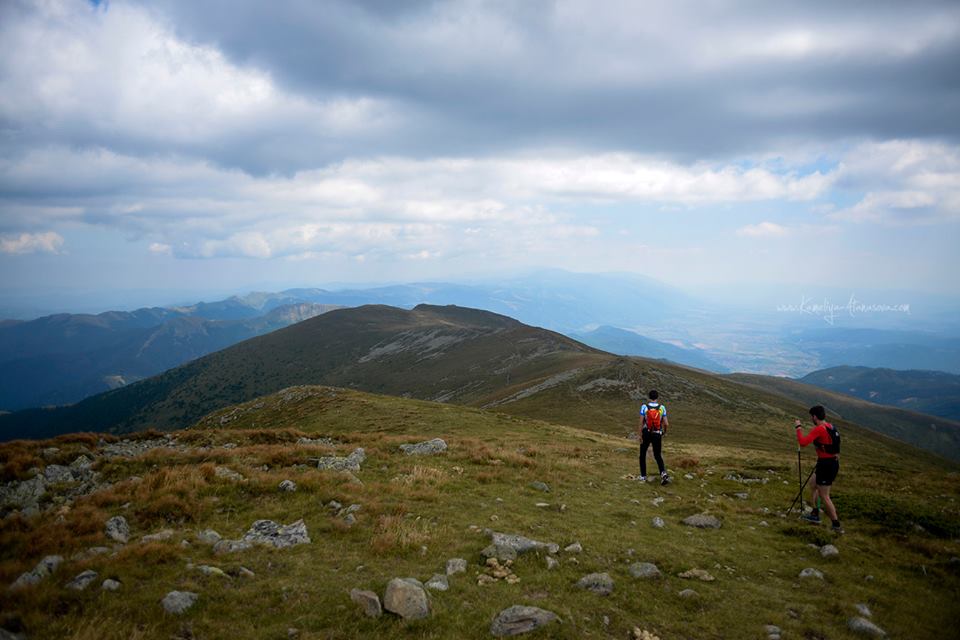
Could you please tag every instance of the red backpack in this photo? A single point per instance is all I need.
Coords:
(653, 418)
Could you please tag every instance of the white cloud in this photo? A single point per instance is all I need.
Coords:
(763, 230)
(49, 242)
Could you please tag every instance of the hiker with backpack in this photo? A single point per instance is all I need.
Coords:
(826, 439)
(652, 428)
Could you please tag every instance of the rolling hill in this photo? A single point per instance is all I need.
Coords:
(461, 356)
(631, 343)
(933, 392)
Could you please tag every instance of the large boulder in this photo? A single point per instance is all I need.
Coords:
(427, 448)
(272, 534)
(407, 599)
(518, 619)
(23, 495)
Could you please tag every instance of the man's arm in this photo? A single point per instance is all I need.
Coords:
(804, 440)
(664, 423)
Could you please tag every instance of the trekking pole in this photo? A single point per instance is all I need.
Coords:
(800, 493)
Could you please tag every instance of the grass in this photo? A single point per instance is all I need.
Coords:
(419, 511)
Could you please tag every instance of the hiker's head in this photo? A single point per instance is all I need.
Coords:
(653, 395)
(818, 413)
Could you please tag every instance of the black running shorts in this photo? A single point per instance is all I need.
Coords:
(827, 469)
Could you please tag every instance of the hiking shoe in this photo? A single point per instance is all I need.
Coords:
(837, 529)
(643, 478)
(664, 479)
(810, 518)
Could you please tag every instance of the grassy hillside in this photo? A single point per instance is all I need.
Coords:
(933, 392)
(898, 555)
(928, 432)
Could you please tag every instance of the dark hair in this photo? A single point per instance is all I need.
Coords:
(653, 395)
(818, 412)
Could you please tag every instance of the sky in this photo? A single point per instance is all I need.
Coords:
(234, 145)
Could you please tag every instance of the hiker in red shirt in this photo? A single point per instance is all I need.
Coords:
(826, 439)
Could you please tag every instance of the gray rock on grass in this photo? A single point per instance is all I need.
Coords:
(44, 568)
(82, 580)
(438, 582)
(406, 598)
(658, 522)
(552, 563)
(865, 627)
(350, 463)
(810, 572)
(209, 536)
(111, 585)
(426, 448)
(689, 594)
(178, 602)
(288, 485)
(456, 565)
(519, 619)
(829, 551)
(273, 534)
(57, 474)
(118, 530)
(501, 552)
(539, 486)
(599, 583)
(368, 601)
(645, 571)
(863, 610)
(159, 536)
(576, 547)
(521, 544)
(702, 521)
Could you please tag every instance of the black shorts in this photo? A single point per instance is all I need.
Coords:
(827, 469)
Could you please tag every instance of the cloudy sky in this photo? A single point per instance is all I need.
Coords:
(228, 144)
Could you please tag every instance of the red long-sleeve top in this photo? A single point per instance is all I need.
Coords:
(819, 436)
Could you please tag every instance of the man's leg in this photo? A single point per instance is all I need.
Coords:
(657, 446)
(828, 503)
(813, 516)
(643, 455)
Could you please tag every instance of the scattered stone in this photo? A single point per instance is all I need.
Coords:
(23, 495)
(270, 533)
(521, 544)
(82, 580)
(350, 463)
(321, 442)
(599, 583)
(92, 552)
(456, 565)
(697, 574)
(865, 627)
(552, 563)
(501, 552)
(406, 599)
(658, 522)
(209, 536)
(334, 506)
(863, 610)
(772, 630)
(81, 462)
(207, 570)
(764, 523)
(659, 500)
(177, 602)
(110, 585)
(243, 572)
(438, 582)
(829, 551)
(810, 572)
(689, 594)
(539, 486)
(576, 547)
(350, 519)
(118, 529)
(645, 570)
(228, 474)
(231, 546)
(49, 452)
(427, 448)
(741, 495)
(702, 521)
(288, 485)
(159, 536)
(44, 568)
(503, 571)
(688, 476)
(519, 619)
(57, 474)
(349, 478)
(368, 601)
(642, 634)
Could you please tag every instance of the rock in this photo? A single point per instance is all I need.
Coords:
(702, 521)
(81, 462)
(368, 601)
(644, 570)
(829, 551)
(863, 610)
(207, 570)
(539, 486)
(288, 485)
(438, 582)
(92, 552)
(110, 585)
(810, 572)
(118, 529)
(658, 523)
(350, 519)
(519, 619)
(272, 534)
(243, 572)
(23, 495)
(82, 580)
(166, 534)
(456, 565)
(501, 552)
(349, 510)
(697, 574)
(865, 627)
(427, 448)
(576, 547)
(552, 563)
(772, 630)
(742, 496)
(56, 474)
(689, 594)
(177, 602)
(350, 463)
(599, 583)
(228, 474)
(231, 546)
(521, 544)
(209, 536)
(406, 599)
(688, 476)
(44, 568)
